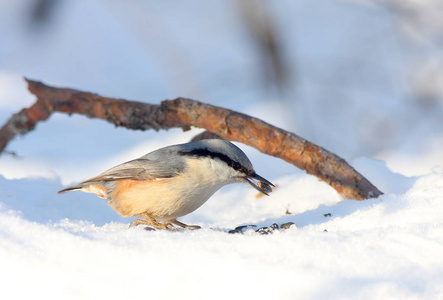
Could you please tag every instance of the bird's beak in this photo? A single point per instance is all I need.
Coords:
(263, 185)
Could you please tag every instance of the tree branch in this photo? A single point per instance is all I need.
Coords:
(184, 113)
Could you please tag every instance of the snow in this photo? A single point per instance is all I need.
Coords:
(391, 246)
(351, 94)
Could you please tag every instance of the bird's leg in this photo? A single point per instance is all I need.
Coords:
(150, 221)
(190, 227)
(137, 222)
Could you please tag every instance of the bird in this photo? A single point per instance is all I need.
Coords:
(172, 182)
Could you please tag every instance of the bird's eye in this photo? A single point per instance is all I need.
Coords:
(236, 166)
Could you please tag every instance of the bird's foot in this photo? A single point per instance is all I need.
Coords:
(151, 222)
(190, 227)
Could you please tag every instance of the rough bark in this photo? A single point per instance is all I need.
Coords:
(184, 113)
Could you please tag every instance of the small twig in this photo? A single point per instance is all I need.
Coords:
(184, 113)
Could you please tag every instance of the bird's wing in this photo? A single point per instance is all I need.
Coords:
(139, 169)
(152, 166)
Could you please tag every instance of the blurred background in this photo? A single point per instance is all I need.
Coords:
(359, 78)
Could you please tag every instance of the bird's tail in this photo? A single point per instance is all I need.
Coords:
(71, 188)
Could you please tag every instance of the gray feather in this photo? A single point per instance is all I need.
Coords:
(157, 164)
(144, 168)
(162, 163)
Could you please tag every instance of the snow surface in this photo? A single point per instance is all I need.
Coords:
(350, 94)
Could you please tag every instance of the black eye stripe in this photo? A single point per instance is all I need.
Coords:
(206, 153)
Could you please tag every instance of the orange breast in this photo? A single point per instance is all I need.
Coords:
(132, 197)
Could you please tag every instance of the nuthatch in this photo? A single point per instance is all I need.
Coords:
(171, 182)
